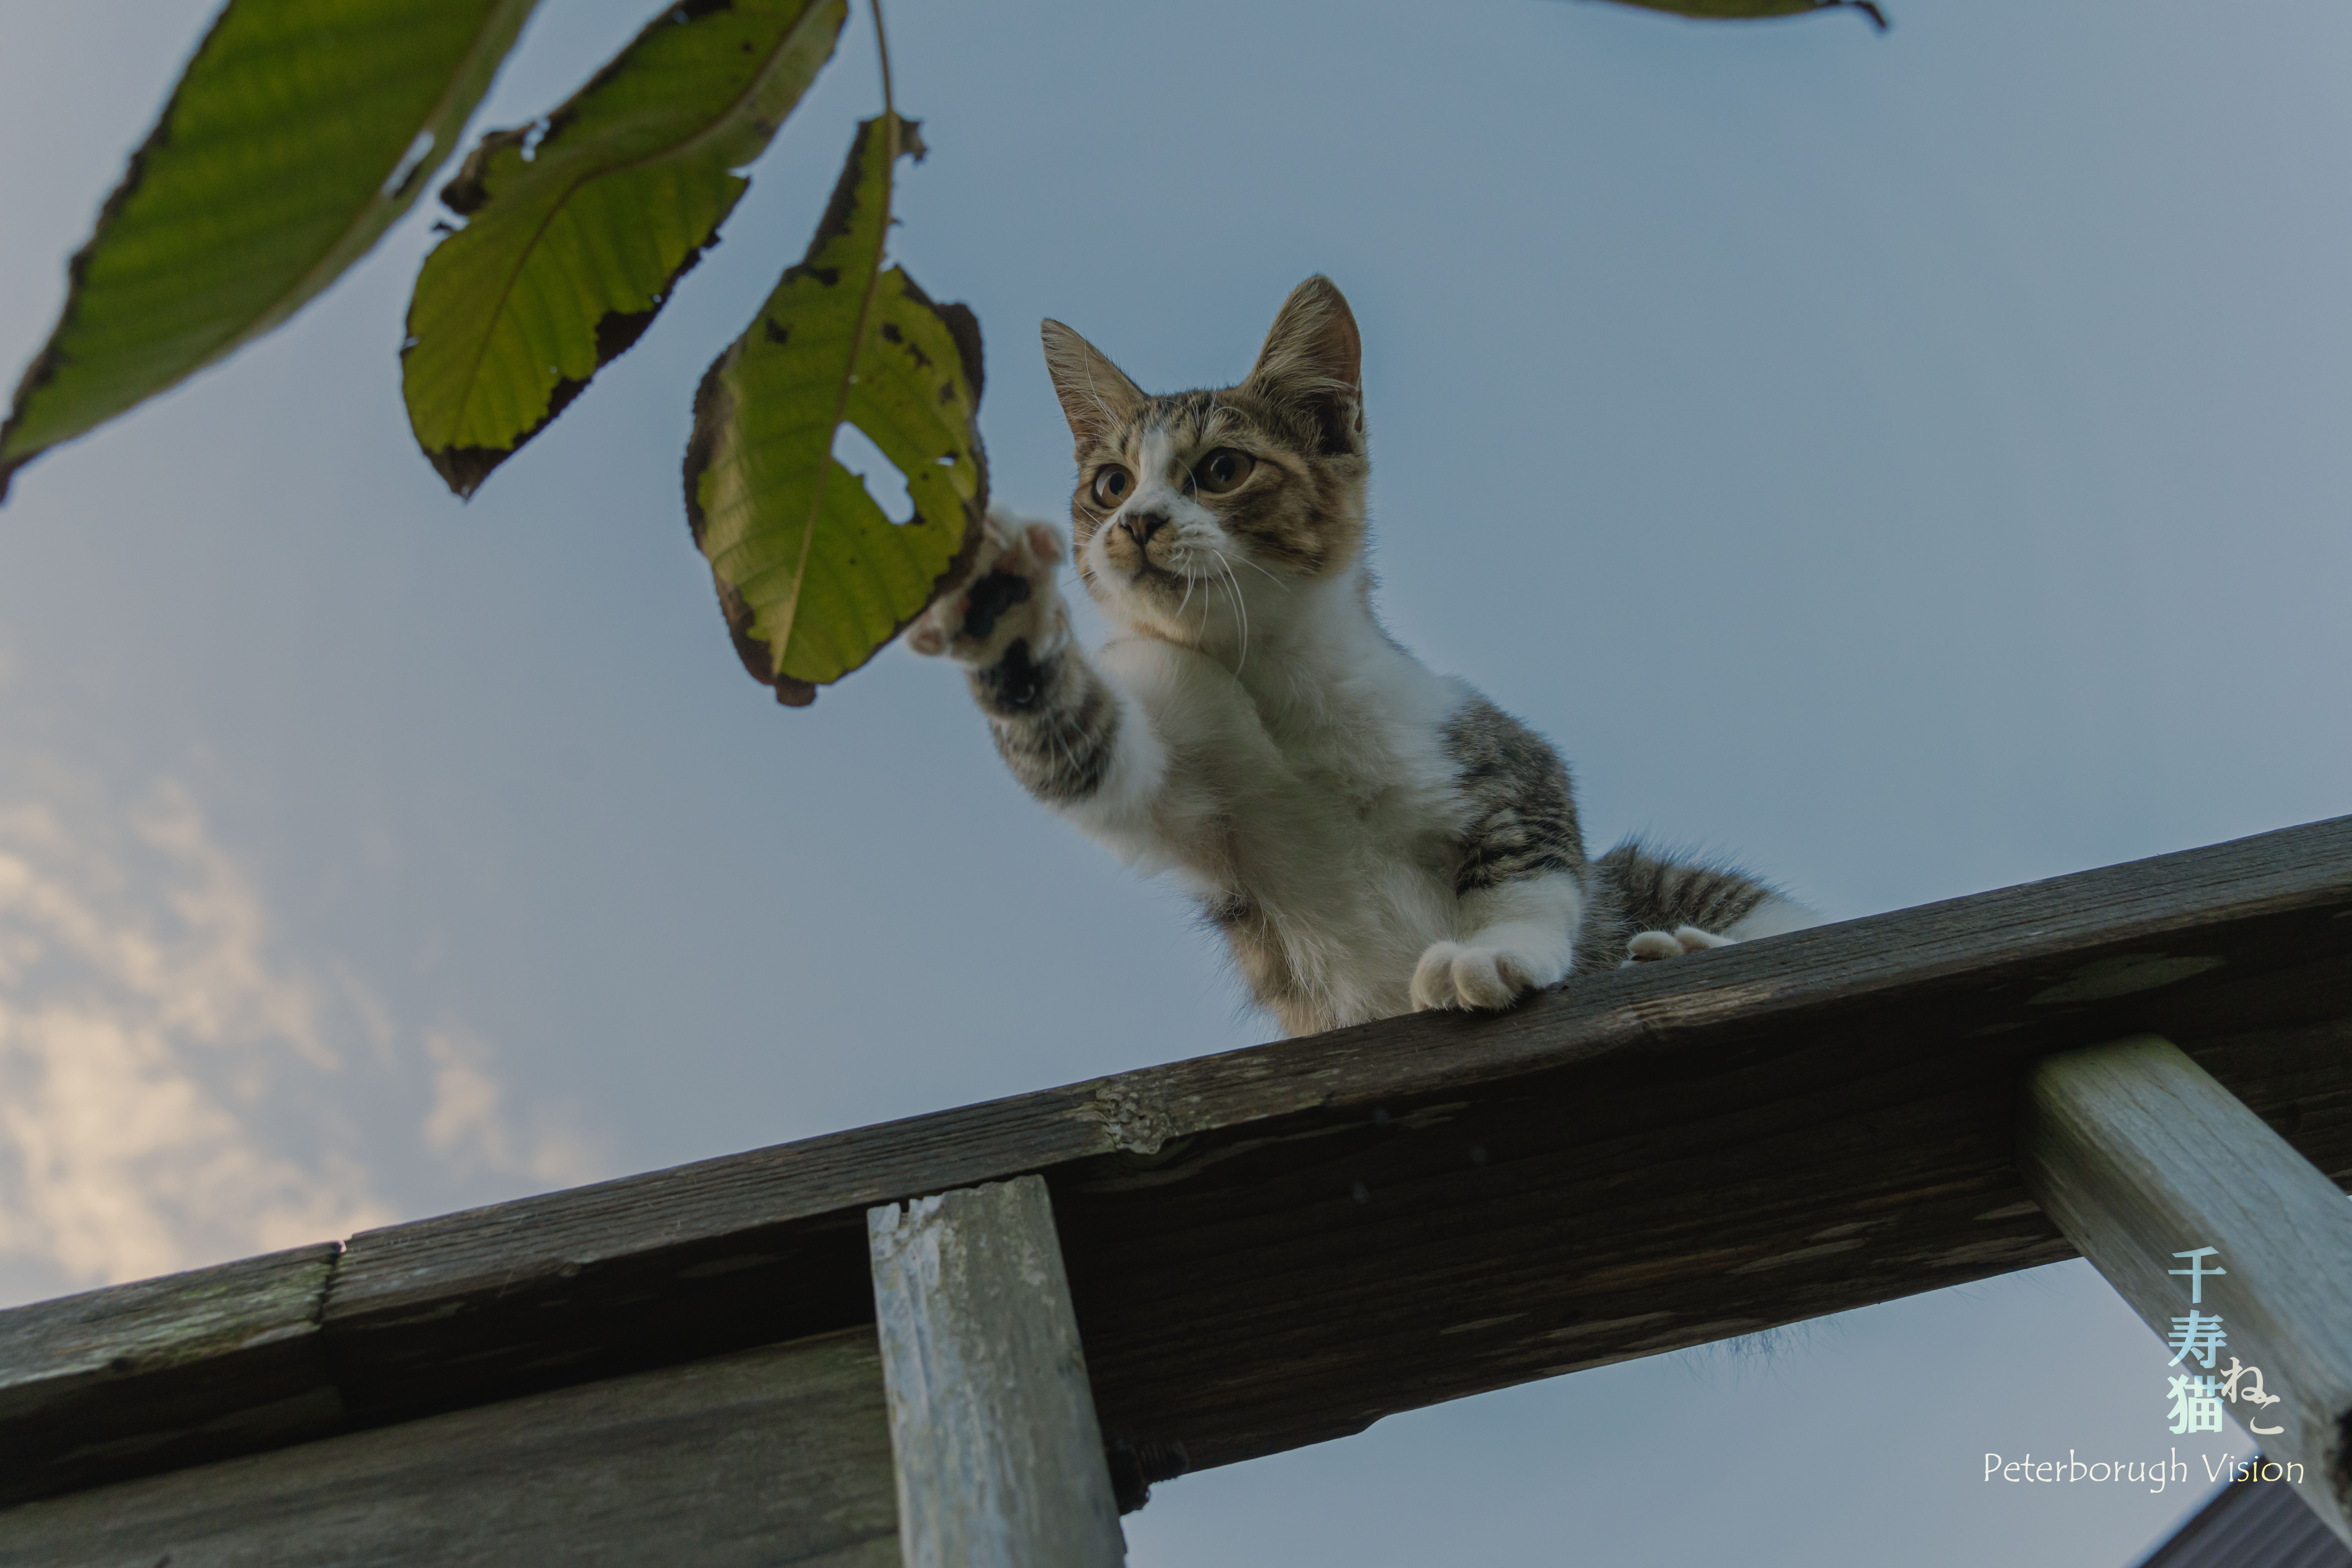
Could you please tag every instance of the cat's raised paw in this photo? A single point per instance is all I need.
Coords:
(1476, 978)
(1649, 946)
(1009, 593)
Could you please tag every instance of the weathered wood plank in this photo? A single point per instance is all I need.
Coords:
(999, 1461)
(2141, 1157)
(2251, 1524)
(690, 1260)
(766, 1456)
(1469, 1243)
(152, 1374)
(1272, 1246)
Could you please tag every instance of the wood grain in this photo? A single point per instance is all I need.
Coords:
(2139, 1156)
(157, 1373)
(2251, 1524)
(1273, 1245)
(767, 1456)
(999, 1461)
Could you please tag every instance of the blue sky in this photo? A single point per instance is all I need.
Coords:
(1913, 463)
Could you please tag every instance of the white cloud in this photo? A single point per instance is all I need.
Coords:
(173, 1088)
(465, 1120)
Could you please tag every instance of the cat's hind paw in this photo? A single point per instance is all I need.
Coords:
(1649, 946)
(1474, 978)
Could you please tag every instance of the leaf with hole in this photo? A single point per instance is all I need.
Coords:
(300, 131)
(577, 227)
(813, 576)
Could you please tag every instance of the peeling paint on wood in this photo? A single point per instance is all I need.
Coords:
(1000, 1462)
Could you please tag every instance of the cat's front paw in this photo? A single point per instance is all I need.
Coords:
(1479, 978)
(1010, 596)
(1649, 946)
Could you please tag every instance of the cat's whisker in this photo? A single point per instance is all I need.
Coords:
(1259, 570)
(1241, 611)
(1210, 580)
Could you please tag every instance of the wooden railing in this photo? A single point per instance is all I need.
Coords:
(1272, 1246)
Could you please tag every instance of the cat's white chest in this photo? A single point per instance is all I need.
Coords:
(1319, 805)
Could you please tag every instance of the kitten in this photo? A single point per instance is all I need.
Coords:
(1370, 837)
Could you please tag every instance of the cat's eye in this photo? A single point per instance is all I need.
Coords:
(1222, 470)
(1111, 485)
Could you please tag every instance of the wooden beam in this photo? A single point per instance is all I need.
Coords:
(1275, 1246)
(770, 1456)
(999, 1461)
(2251, 1524)
(165, 1372)
(2147, 1162)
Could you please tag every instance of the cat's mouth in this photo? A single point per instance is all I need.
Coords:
(1161, 574)
(1135, 564)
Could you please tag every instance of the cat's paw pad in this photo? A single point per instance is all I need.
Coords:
(1453, 975)
(1649, 946)
(1009, 593)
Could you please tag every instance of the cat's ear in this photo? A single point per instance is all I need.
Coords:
(1097, 397)
(1314, 356)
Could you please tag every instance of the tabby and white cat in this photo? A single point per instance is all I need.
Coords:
(1368, 835)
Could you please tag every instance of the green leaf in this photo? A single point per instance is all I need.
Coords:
(573, 245)
(1754, 10)
(813, 576)
(300, 131)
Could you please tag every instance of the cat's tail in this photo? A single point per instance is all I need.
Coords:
(1692, 900)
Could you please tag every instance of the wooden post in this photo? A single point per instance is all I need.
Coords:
(999, 1456)
(2140, 1157)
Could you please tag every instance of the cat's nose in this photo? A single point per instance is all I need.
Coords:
(1142, 525)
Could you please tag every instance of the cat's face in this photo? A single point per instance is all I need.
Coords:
(1187, 506)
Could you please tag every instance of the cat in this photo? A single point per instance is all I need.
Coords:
(1370, 837)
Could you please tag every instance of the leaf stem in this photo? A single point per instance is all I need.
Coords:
(882, 47)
